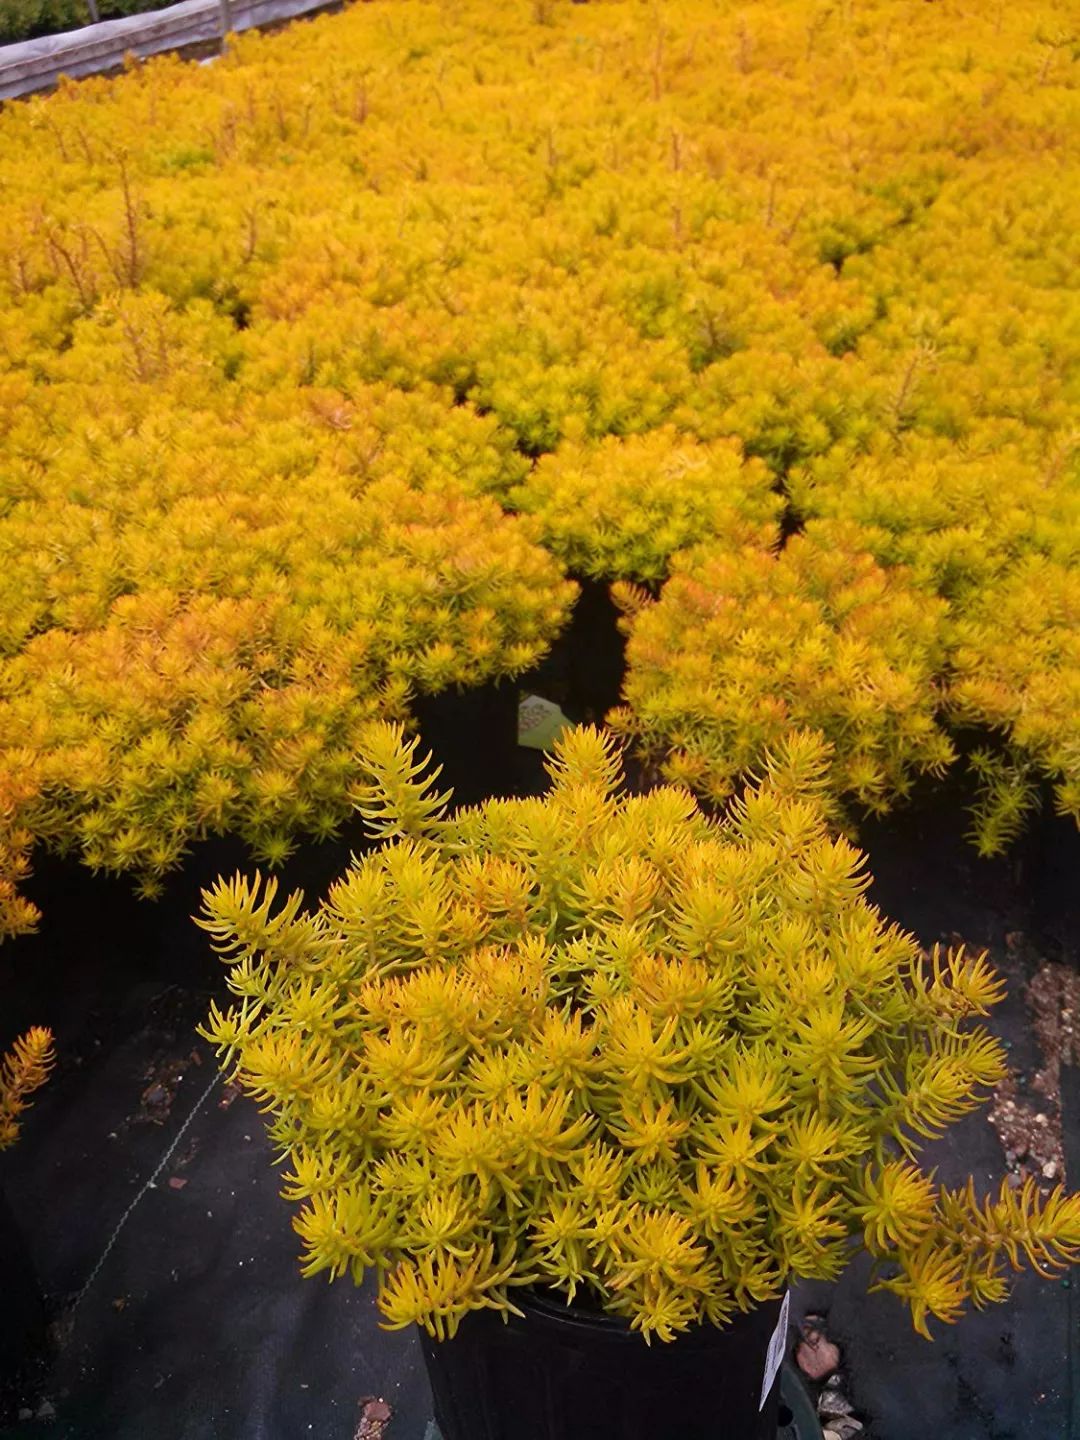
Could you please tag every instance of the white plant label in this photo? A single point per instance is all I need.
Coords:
(775, 1354)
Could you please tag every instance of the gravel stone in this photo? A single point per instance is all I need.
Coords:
(816, 1356)
(844, 1427)
(832, 1404)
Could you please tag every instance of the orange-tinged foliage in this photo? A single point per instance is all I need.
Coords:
(24, 1069)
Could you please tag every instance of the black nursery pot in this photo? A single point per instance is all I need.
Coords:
(566, 1374)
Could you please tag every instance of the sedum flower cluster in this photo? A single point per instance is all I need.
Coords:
(604, 1044)
(321, 366)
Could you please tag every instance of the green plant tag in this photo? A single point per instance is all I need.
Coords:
(540, 722)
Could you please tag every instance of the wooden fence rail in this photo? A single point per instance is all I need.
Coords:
(38, 64)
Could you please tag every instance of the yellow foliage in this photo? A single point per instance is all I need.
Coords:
(24, 1069)
(596, 1065)
(620, 508)
(745, 645)
(259, 635)
(286, 341)
(1017, 663)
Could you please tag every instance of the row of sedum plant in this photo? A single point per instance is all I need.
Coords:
(934, 596)
(234, 707)
(606, 1045)
(320, 368)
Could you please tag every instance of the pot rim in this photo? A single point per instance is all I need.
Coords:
(552, 1306)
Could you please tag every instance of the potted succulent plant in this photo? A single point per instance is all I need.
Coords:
(618, 1071)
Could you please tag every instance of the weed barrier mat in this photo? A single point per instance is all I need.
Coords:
(195, 1324)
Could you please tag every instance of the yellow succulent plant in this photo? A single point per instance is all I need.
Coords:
(604, 1044)
(744, 645)
(1017, 673)
(620, 508)
(236, 708)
